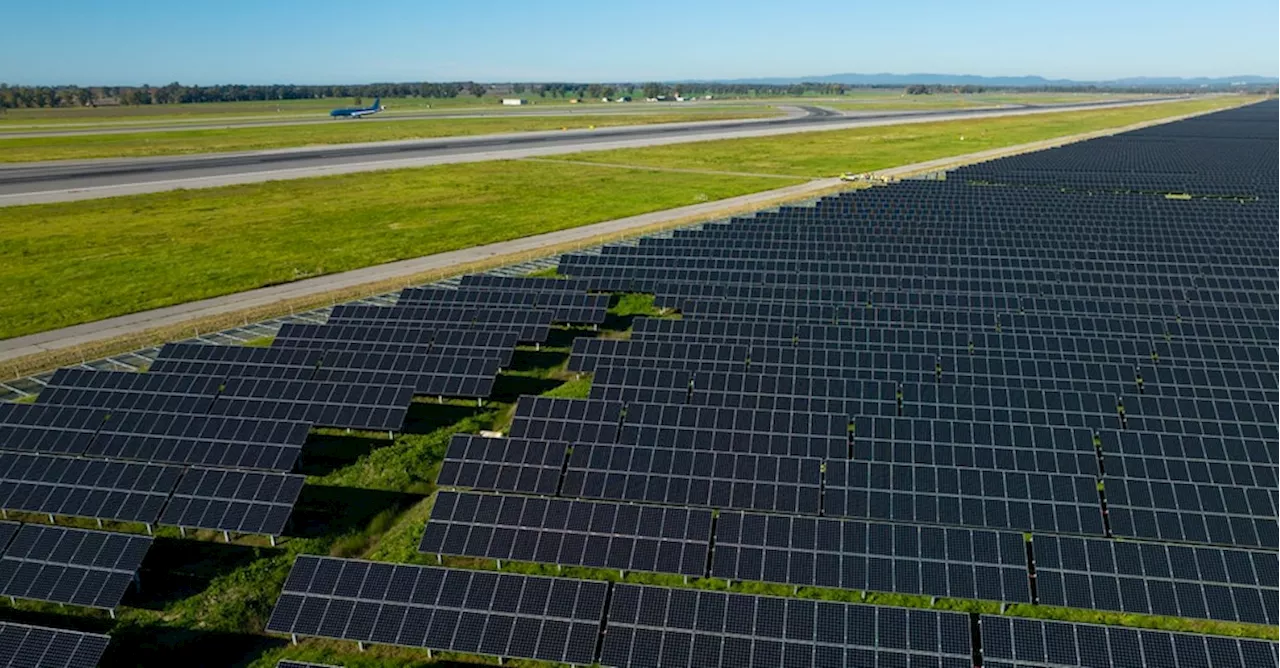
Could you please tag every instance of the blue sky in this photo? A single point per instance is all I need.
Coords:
(324, 41)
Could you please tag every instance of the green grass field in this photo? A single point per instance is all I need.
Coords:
(250, 138)
(219, 111)
(82, 261)
(897, 100)
(824, 154)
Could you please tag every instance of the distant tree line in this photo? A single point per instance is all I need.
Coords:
(12, 97)
(175, 93)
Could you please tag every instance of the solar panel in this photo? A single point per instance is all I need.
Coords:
(570, 533)
(740, 430)
(340, 405)
(49, 429)
(44, 647)
(286, 663)
(532, 325)
(505, 464)
(126, 390)
(567, 306)
(1033, 642)
(871, 556)
(650, 626)
(240, 501)
(215, 440)
(498, 614)
(74, 487)
(994, 499)
(366, 338)
(428, 373)
(456, 340)
(240, 361)
(1150, 578)
(556, 419)
(7, 531)
(529, 283)
(72, 566)
(1189, 512)
(694, 478)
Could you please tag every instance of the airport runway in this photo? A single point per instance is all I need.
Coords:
(294, 118)
(58, 181)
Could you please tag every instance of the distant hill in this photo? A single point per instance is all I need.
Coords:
(853, 79)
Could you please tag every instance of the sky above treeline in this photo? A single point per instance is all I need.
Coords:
(130, 42)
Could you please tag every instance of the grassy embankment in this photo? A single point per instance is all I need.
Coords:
(256, 138)
(77, 262)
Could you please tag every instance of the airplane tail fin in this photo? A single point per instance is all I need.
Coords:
(377, 103)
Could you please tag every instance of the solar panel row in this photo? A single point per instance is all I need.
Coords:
(560, 619)
(569, 307)
(573, 533)
(498, 614)
(90, 426)
(72, 566)
(228, 500)
(22, 645)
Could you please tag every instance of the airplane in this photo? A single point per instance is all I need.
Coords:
(357, 112)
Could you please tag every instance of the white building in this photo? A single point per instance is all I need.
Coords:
(513, 102)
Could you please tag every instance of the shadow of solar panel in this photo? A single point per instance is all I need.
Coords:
(503, 464)
(93, 488)
(239, 501)
(44, 647)
(571, 533)
(1150, 578)
(499, 614)
(201, 439)
(72, 566)
(48, 429)
(1032, 642)
(350, 406)
(650, 626)
(127, 390)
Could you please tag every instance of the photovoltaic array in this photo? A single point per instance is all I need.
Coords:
(208, 436)
(1046, 380)
(42, 647)
(71, 566)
